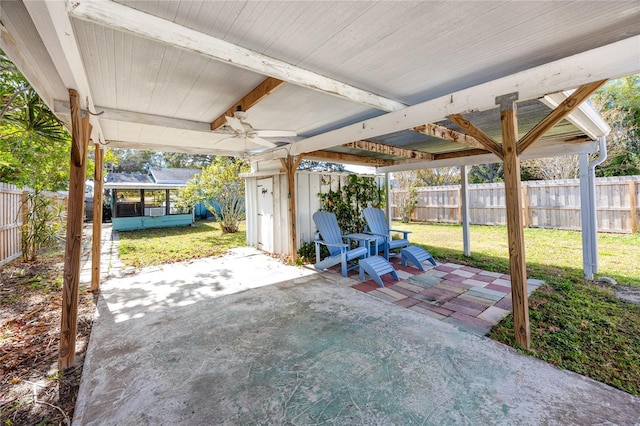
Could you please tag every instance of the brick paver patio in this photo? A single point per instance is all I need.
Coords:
(468, 297)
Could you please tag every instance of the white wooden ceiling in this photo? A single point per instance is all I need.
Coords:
(408, 52)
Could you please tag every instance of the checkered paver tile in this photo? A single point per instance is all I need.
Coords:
(468, 297)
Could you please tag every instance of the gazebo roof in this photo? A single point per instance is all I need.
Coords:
(346, 77)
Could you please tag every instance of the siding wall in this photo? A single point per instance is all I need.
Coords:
(308, 185)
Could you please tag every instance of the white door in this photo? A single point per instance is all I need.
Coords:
(265, 214)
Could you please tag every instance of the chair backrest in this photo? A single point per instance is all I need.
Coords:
(327, 225)
(376, 222)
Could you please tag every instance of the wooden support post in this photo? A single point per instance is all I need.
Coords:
(96, 248)
(80, 131)
(515, 231)
(290, 165)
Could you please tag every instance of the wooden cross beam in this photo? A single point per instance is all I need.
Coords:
(558, 114)
(262, 90)
(346, 158)
(447, 134)
(389, 150)
(485, 140)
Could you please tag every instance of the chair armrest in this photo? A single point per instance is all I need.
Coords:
(377, 235)
(404, 232)
(330, 244)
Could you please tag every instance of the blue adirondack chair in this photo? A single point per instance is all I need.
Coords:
(377, 225)
(332, 238)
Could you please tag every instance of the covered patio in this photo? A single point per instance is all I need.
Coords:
(215, 342)
(397, 85)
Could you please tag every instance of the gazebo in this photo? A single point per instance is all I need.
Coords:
(397, 85)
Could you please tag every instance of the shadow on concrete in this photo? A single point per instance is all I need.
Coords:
(245, 341)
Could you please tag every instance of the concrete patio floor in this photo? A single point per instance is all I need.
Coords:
(244, 339)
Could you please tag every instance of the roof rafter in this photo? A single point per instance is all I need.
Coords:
(261, 91)
(346, 158)
(389, 150)
(457, 154)
(446, 133)
(123, 18)
(485, 140)
(62, 107)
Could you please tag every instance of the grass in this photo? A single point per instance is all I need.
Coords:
(575, 324)
(149, 247)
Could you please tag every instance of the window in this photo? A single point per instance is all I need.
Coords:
(140, 202)
(128, 202)
(155, 203)
(173, 208)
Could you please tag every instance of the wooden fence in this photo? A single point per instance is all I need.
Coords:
(546, 204)
(12, 216)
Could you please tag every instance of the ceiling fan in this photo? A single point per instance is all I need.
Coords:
(243, 133)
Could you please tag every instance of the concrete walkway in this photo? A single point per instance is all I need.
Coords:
(244, 339)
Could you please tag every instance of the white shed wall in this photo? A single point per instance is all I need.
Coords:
(308, 185)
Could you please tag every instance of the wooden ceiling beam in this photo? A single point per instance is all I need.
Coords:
(459, 154)
(485, 140)
(262, 90)
(340, 157)
(562, 111)
(395, 151)
(61, 108)
(119, 17)
(447, 134)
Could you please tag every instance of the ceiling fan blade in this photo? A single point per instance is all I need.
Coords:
(275, 133)
(263, 142)
(236, 125)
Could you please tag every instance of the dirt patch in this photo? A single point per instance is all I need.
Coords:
(32, 390)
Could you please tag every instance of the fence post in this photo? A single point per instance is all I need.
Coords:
(24, 216)
(633, 206)
(525, 205)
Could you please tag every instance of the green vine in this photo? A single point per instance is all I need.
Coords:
(347, 202)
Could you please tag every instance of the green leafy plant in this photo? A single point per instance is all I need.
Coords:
(219, 183)
(43, 225)
(347, 202)
(307, 253)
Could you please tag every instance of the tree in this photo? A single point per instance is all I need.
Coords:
(34, 145)
(320, 166)
(439, 176)
(219, 183)
(619, 104)
(185, 161)
(406, 198)
(132, 160)
(551, 168)
(486, 173)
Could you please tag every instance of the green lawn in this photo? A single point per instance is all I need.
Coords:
(547, 251)
(575, 324)
(148, 247)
